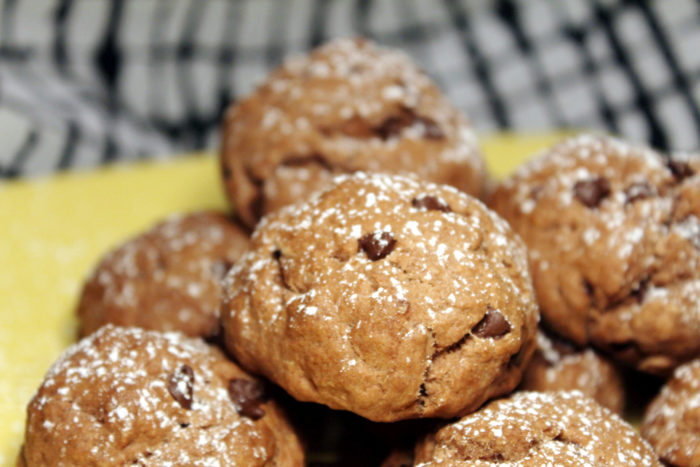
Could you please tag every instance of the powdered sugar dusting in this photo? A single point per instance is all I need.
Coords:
(672, 419)
(621, 217)
(170, 273)
(363, 252)
(363, 107)
(531, 428)
(109, 390)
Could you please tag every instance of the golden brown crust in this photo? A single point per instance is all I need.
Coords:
(672, 421)
(126, 396)
(167, 279)
(387, 296)
(614, 242)
(350, 105)
(532, 429)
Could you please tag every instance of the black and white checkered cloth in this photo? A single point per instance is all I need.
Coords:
(85, 82)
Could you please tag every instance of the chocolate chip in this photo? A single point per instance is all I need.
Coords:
(679, 169)
(181, 386)
(377, 244)
(247, 396)
(431, 130)
(431, 203)
(639, 190)
(277, 254)
(493, 324)
(592, 192)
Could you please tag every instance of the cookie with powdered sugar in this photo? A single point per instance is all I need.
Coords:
(167, 279)
(127, 396)
(614, 241)
(557, 365)
(348, 106)
(672, 421)
(534, 429)
(387, 296)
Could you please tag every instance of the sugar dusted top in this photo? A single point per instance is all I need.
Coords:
(535, 429)
(349, 105)
(613, 233)
(672, 421)
(125, 395)
(385, 281)
(167, 278)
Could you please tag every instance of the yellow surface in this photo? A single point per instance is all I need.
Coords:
(52, 231)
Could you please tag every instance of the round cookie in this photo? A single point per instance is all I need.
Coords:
(672, 421)
(167, 279)
(559, 366)
(348, 106)
(386, 296)
(614, 243)
(127, 396)
(532, 429)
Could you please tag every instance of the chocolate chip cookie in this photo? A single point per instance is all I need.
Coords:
(672, 421)
(168, 278)
(557, 365)
(614, 241)
(384, 295)
(127, 396)
(534, 429)
(348, 106)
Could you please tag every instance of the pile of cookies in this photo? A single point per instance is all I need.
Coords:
(376, 281)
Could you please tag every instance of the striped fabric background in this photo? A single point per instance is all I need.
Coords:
(85, 82)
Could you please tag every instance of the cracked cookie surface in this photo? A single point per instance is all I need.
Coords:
(167, 279)
(532, 429)
(614, 242)
(672, 421)
(348, 106)
(386, 296)
(127, 396)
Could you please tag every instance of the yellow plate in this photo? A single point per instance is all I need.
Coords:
(53, 230)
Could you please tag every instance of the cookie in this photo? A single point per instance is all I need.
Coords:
(348, 106)
(167, 279)
(672, 421)
(559, 366)
(614, 242)
(127, 396)
(387, 296)
(535, 429)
